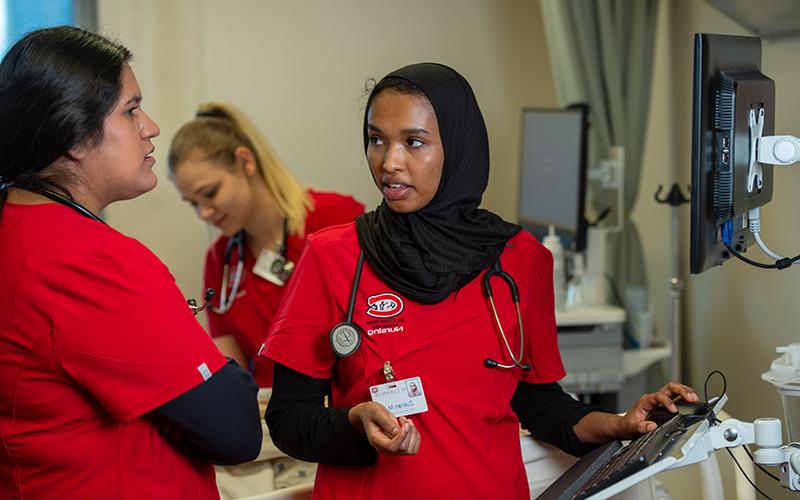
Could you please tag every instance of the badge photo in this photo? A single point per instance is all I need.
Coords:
(401, 397)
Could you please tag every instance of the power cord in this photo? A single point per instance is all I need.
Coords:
(745, 475)
(783, 263)
(749, 454)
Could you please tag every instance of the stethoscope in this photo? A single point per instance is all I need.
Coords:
(209, 293)
(345, 338)
(281, 267)
(227, 298)
(66, 202)
(495, 270)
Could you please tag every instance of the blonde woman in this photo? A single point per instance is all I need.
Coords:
(228, 172)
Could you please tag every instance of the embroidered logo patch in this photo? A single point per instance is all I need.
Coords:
(384, 305)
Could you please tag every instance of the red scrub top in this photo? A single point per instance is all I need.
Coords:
(254, 307)
(94, 334)
(470, 435)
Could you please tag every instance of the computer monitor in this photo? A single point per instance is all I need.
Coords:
(730, 94)
(552, 186)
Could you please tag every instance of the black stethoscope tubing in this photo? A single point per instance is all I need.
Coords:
(351, 305)
(66, 202)
(345, 337)
(495, 270)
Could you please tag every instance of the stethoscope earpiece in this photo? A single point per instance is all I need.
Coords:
(207, 296)
(490, 363)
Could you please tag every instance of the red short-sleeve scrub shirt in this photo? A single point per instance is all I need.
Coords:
(470, 436)
(94, 334)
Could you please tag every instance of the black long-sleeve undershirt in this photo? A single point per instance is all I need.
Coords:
(219, 420)
(550, 414)
(301, 426)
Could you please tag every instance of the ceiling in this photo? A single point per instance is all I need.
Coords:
(764, 18)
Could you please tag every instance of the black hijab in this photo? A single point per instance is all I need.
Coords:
(428, 254)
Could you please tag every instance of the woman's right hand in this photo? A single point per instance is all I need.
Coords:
(387, 434)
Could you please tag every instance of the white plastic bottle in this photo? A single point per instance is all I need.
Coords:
(553, 243)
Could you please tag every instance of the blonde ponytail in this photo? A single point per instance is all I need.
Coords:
(215, 133)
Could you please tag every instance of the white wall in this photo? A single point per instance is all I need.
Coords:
(298, 68)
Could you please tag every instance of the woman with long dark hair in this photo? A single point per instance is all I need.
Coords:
(111, 389)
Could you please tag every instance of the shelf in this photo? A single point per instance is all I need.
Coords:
(590, 315)
(635, 361)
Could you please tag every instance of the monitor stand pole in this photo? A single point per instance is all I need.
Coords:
(675, 199)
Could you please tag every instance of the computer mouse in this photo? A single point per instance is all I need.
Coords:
(661, 414)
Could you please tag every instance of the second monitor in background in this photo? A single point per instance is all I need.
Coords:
(552, 187)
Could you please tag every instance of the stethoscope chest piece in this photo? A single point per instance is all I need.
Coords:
(345, 339)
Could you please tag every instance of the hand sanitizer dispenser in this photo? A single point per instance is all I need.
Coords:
(553, 243)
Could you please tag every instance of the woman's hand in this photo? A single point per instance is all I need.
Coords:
(634, 422)
(387, 434)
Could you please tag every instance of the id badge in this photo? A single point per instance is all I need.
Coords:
(401, 397)
(273, 267)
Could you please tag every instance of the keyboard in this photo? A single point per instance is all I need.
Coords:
(612, 463)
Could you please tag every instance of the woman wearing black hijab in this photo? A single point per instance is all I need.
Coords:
(408, 281)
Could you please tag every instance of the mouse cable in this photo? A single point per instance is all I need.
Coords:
(724, 383)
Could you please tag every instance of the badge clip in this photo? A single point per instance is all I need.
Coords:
(388, 372)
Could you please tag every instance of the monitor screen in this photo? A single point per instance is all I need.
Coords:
(732, 102)
(553, 173)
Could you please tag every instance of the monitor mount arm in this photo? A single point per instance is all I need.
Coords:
(765, 433)
(755, 174)
(779, 150)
